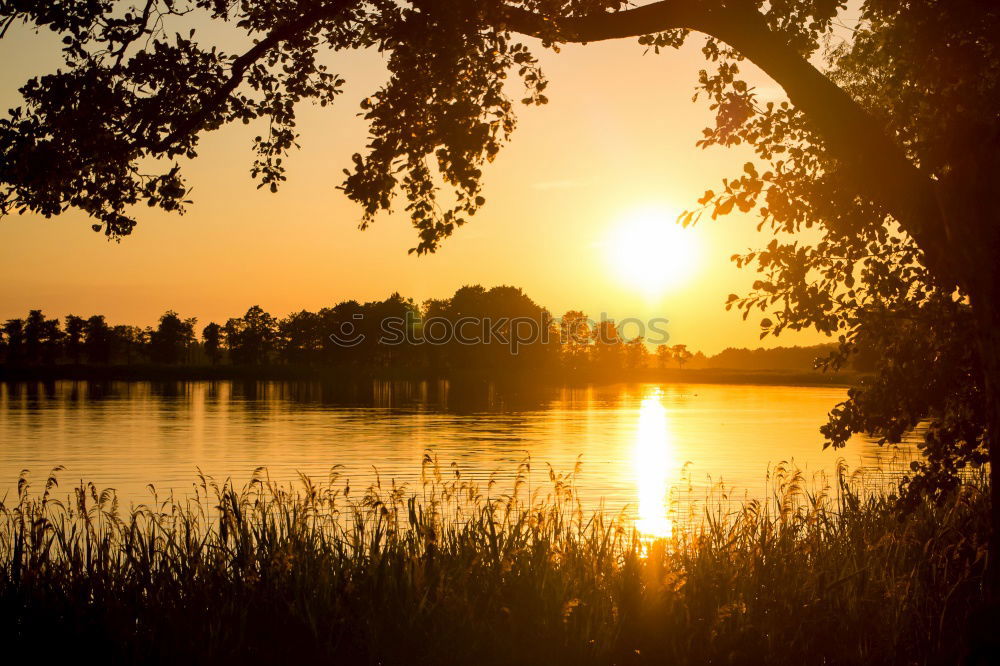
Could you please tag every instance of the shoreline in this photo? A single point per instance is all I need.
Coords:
(156, 373)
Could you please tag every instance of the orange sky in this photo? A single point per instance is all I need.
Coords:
(618, 135)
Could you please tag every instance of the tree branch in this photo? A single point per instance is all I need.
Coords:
(880, 169)
(6, 24)
(656, 17)
(284, 32)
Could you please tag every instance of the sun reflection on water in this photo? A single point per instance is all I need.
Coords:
(655, 464)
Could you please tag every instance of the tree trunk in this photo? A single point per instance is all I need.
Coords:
(986, 307)
(967, 202)
(982, 630)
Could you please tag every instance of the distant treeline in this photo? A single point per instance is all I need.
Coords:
(776, 358)
(490, 333)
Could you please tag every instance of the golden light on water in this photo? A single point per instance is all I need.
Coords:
(653, 253)
(655, 463)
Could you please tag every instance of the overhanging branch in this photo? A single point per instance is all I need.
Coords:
(880, 169)
(656, 17)
(290, 30)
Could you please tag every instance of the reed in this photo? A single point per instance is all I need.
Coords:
(463, 572)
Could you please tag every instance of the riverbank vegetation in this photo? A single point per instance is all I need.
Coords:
(490, 572)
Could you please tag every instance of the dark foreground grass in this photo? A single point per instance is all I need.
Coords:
(457, 573)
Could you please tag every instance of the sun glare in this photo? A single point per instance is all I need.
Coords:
(653, 253)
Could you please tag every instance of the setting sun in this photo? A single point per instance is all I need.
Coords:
(652, 252)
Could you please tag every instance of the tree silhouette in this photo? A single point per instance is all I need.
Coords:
(366, 321)
(212, 337)
(299, 337)
(483, 333)
(172, 339)
(251, 338)
(42, 338)
(608, 347)
(74, 337)
(33, 336)
(97, 340)
(636, 354)
(680, 355)
(341, 322)
(574, 329)
(130, 343)
(13, 333)
(663, 355)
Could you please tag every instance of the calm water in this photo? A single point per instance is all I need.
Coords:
(637, 442)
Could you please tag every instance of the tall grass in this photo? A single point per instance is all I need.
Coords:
(456, 572)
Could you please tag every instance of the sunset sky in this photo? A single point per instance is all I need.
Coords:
(611, 153)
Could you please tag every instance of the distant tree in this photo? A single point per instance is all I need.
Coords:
(341, 325)
(680, 355)
(33, 336)
(42, 338)
(231, 332)
(300, 338)
(526, 325)
(608, 346)
(251, 338)
(75, 327)
(496, 332)
(776, 358)
(172, 339)
(467, 303)
(401, 316)
(636, 354)
(52, 336)
(574, 334)
(212, 337)
(128, 343)
(664, 355)
(13, 333)
(98, 341)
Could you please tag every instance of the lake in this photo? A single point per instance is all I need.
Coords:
(639, 445)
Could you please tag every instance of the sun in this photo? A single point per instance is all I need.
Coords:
(651, 252)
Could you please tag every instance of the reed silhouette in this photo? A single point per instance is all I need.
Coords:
(494, 572)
